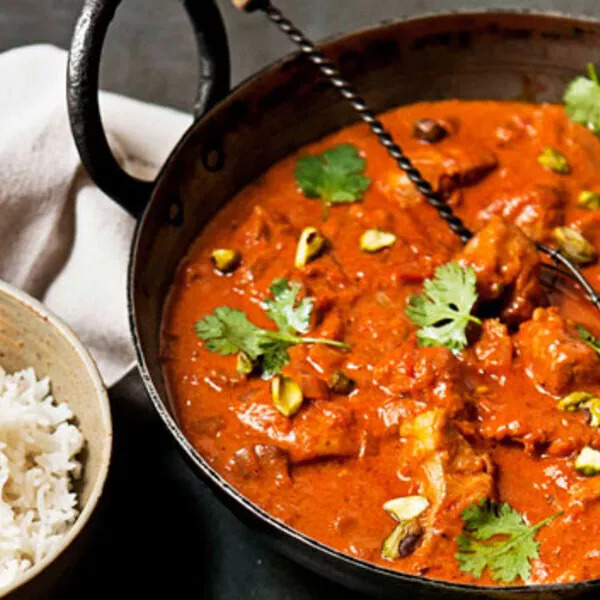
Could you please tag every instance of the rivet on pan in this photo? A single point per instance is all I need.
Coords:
(213, 158)
(175, 214)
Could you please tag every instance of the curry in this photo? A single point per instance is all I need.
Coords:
(337, 354)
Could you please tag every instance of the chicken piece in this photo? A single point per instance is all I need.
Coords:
(379, 318)
(493, 352)
(261, 234)
(534, 423)
(396, 186)
(451, 473)
(507, 266)
(585, 492)
(465, 165)
(262, 226)
(260, 461)
(326, 358)
(207, 426)
(536, 211)
(448, 170)
(432, 375)
(321, 430)
(555, 357)
(326, 430)
(513, 131)
(205, 434)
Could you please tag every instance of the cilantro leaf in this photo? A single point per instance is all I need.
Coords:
(228, 330)
(282, 309)
(443, 310)
(589, 339)
(336, 176)
(275, 357)
(582, 100)
(508, 556)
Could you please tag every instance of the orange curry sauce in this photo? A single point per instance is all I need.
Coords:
(493, 427)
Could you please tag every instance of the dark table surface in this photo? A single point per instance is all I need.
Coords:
(162, 533)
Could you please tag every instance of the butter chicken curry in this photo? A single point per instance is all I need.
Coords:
(338, 356)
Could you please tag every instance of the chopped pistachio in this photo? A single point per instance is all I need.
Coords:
(553, 160)
(287, 395)
(588, 462)
(588, 199)
(574, 400)
(593, 406)
(574, 246)
(391, 544)
(340, 383)
(226, 260)
(244, 364)
(310, 244)
(582, 401)
(402, 541)
(374, 240)
(407, 507)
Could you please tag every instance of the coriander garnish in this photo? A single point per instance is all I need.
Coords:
(228, 331)
(582, 100)
(443, 310)
(336, 176)
(496, 537)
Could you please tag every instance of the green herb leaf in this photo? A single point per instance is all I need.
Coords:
(443, 310)
(506, 556)
(228, 331)
(275, 357)
(336, 176)
(586, 337)
(282, 309)
(582, 100)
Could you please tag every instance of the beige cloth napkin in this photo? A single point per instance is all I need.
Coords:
(63, 240)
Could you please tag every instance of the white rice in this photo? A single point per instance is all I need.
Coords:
(38, 446)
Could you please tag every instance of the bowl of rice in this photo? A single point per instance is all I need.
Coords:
(55, 446)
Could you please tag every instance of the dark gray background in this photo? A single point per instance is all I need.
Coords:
(162, 533)
(150, 51)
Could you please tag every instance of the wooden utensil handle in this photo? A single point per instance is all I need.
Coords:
(250, 5)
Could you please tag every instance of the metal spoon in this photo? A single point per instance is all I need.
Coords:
(368, 116)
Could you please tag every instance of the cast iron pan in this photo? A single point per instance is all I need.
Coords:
(493, 54)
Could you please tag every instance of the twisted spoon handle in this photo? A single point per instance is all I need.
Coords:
(368, 116)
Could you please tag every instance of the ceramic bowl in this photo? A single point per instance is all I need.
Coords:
(30, 335)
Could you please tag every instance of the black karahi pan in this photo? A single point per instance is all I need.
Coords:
(237, 135)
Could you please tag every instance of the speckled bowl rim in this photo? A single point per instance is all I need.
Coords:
(39, 311)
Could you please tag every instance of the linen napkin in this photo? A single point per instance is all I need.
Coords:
(63, 240)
